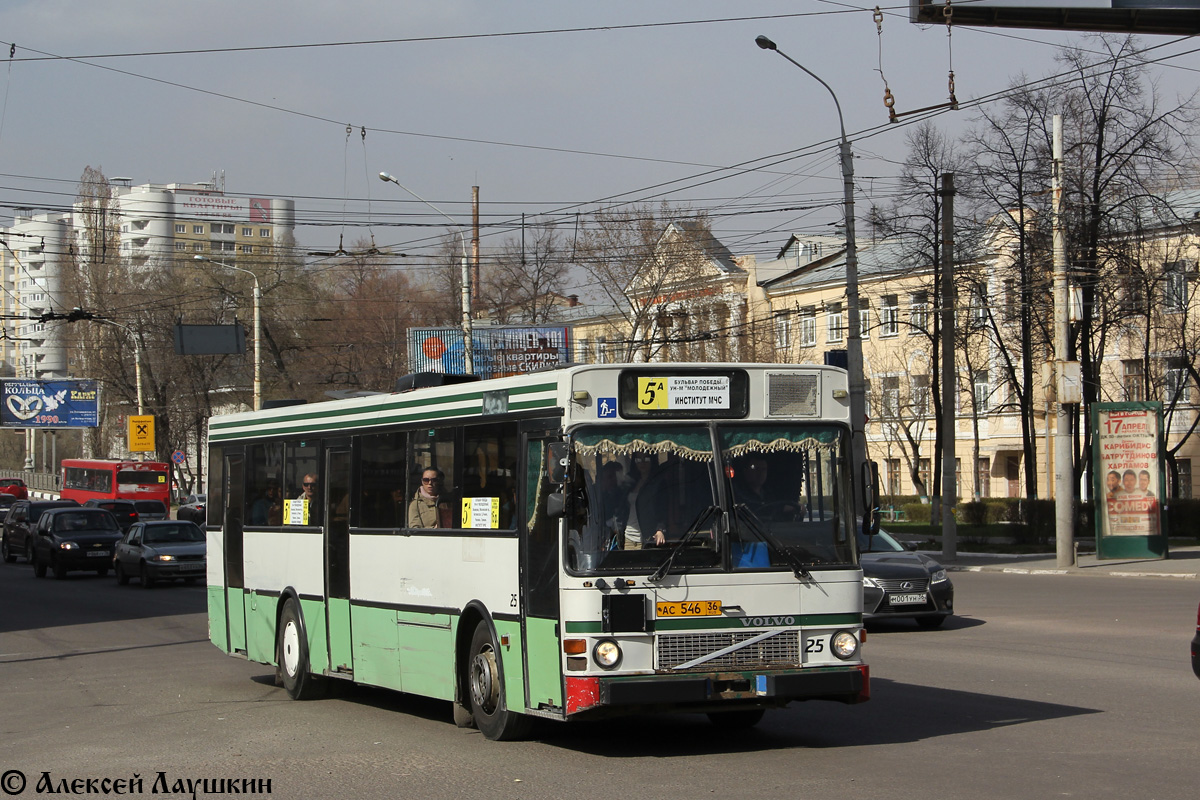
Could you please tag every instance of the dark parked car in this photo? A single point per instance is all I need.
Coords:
(161, 550)
(1196, 646)
(74, 539)
(19, 524)
(6, 502)
(151, 509)
(124, 510)
(193, 508)
(14, 487)
(898, 583)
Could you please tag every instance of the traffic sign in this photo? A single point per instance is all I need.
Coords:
(178, 457)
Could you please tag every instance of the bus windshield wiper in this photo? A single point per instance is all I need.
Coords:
(665, 567)
(753, 524)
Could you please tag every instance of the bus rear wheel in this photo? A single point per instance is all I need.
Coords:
(292, 656)
(488, 706)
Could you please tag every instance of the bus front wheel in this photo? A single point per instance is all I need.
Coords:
(292, 656)
(488, 706)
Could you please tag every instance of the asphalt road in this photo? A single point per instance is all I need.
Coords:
(1046, 686)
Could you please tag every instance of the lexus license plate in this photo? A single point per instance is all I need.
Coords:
(906, 599)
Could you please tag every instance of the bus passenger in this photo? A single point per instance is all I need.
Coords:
(427, 507)
(639, 531)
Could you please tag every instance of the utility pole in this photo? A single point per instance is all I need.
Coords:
(949, 385)
(1064, 485)
(474, 247)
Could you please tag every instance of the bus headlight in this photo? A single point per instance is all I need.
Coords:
(606, 653)
(844, 645)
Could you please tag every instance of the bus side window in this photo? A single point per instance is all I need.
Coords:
(434, 449)
(383, 498)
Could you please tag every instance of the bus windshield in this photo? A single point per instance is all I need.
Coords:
(645, 495)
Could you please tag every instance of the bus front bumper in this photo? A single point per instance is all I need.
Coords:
(714, 691)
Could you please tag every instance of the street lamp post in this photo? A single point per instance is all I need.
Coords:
(257, 327)
(468, 333)
(854, 356)
(137, 359)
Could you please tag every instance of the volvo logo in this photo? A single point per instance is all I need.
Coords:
(763, 622)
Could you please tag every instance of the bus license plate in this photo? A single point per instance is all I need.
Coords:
(693, 608)
(906, 599)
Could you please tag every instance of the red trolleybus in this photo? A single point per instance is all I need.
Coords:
(105, 479)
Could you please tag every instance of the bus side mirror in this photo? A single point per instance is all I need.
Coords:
(870, 490)
(556, 461)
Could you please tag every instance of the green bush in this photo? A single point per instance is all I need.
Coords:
(1183, 518)
(973, 513)
(916, 512)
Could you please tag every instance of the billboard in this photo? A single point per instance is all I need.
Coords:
(1171, 17)
(1129, 477)
(49, 404)
(218, 207)
(499, 351)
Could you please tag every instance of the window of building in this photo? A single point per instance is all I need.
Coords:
(180, 228)
(583, 350)
(1176, 381)
(1133, 380)
(983, 478)
(890, 398)
(181, 245)
(893, 476)
(978, 304)
(864, 319)
(889, 315)
(918, 309)
(982, 389)
(808, 326)
(264, 233)
(198, 247)
(920, 390)
(228, 247)
(1175, 286)
(125, 228)
(197, 229)
(833, 315)
(1184, 466)
(247, 248)
(1010, 300)
(247, 231)
(601, 349)
(924, 474)
(1132, 297)
(783, 332)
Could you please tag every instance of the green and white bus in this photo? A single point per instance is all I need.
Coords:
(568, 544)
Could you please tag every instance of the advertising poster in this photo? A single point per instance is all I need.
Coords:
(1130, 481)
(49, 404)
(498, 351)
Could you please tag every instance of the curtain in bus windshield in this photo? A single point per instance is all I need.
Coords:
(643, 490)
(790, 493)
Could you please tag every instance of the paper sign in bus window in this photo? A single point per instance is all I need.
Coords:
(295, 512)
(683, 392)
(481, 512)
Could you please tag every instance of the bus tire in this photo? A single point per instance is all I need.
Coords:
(740, 720)
(486, 683)
(292, 656)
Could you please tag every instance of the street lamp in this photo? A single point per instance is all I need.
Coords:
(468, 333)
(137, 358)
(257, 327)
(854, 356)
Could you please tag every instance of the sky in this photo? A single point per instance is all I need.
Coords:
(550, 108)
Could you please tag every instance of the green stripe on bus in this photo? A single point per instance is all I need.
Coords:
(387, 406)
(709, 623)
(377, 422)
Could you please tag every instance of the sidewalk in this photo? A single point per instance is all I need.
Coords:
(1182, 564)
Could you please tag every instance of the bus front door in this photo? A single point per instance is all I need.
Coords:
(337, 560)
(235, 580)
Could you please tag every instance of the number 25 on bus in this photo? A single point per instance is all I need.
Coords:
(569, 544)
